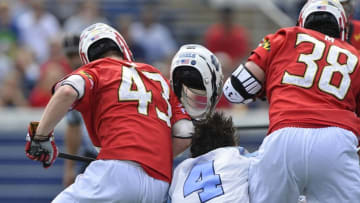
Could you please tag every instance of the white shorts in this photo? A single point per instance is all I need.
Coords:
(320, 163)
(113, 181)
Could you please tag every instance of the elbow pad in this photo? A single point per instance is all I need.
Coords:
(242, 86)
(183, 129)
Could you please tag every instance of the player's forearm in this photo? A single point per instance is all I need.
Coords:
(255, 70)
(56, 109)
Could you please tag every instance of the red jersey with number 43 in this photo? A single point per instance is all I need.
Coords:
(129, 109)
(312, 80)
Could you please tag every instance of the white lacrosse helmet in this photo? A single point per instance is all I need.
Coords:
(196, 78)
(99, 31)
(333, 7)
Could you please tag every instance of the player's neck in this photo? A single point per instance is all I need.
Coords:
(115, 57)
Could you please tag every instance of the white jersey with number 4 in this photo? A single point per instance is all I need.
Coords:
(220, 175)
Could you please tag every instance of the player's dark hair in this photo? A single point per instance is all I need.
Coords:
(102, 48)
(188, 76)
(323, 22)
(218, 131)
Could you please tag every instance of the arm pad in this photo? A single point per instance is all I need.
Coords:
(76, 82)
(242, 86)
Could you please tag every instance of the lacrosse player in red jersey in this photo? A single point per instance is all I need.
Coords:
(130, 112)
(311, 80)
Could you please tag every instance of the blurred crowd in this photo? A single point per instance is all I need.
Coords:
(33, 54)
(292, 8)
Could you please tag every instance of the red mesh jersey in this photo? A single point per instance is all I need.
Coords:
(312, 80)
(128, 111)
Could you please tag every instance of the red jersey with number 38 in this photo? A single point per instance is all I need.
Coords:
(312, 80)
(128, 109)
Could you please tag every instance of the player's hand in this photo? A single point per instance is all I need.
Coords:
(43, 150)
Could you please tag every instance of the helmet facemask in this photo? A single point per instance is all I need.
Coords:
(189, 88)
(198, 82)
(194, 101)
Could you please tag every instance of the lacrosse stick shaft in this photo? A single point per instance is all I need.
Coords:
(75, 157)
(254, 127)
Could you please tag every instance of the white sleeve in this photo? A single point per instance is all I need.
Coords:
(76, 82)
(183, 129)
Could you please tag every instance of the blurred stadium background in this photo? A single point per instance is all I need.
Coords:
(32, 59)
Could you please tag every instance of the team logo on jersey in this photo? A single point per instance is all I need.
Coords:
(265, 43)
(357, 37)
(86, 74)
